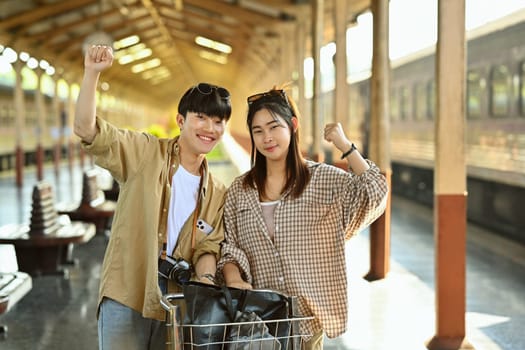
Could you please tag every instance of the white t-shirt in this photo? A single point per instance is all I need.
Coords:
(184, 191)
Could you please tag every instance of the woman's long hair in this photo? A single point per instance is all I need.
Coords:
(277, 103)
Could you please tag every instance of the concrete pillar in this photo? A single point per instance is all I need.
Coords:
(305, 122)
(317, 42)
(341, 97)
(70, 108)
(20, 117)
(380, 136)
(287, 52)
(58, 137)
(41, 125)
(450, 196)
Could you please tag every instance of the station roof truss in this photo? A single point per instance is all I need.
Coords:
(166, 55)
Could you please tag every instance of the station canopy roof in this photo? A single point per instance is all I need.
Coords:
(159, 44)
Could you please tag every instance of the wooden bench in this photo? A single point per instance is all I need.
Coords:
(46, 244)
(14, 285)
(93, 206)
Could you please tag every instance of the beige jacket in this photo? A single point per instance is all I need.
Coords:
(139, 162)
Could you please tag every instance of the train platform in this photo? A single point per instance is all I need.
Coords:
(393, 313)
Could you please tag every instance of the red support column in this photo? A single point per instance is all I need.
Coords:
(380, 241)
(379, 145)
(19, 166)
(451, 227)
(39, 162)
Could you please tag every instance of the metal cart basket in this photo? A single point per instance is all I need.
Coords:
(244, 335)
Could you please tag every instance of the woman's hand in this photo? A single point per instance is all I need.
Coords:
(233, 278)
(98, 58)
(239, 284)
(333, 132)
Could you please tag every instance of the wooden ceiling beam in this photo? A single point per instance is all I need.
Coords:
(68, 44)
(55, 30)
(189, 16)
(211, 34)
(58, 30)
(241, 14)
(188, 74)
(44, 11)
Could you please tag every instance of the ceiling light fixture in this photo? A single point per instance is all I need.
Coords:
(178, 5)
(221, 59)
(135, 56)
(138, 68)
(127, 41)
(212, 44)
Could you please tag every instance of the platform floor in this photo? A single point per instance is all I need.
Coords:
(394, 313)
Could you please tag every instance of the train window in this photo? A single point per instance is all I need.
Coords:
(431, 99)
(51, 120)
(10, 115)
(421, 102)
(31, 118)
(473, 95)
(499, 91)
(522, 89)
(404, 107)
(394, 106)
(4, 116)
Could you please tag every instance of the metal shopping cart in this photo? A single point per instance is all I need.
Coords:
(248, 334)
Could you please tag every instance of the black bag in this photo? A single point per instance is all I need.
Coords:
(211, 305)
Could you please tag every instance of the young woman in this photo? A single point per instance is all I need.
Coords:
(286, 220)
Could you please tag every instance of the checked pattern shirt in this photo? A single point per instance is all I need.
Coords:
(307, 256)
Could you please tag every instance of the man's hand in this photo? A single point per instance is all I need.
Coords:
(98, 58)
(207, 278)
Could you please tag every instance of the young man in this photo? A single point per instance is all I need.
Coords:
(168, 222)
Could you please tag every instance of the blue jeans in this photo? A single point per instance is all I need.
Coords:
(120, 327)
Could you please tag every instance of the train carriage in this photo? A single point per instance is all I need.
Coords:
(495, 135)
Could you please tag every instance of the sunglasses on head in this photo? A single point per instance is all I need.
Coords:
(206, 89)
(272, 93)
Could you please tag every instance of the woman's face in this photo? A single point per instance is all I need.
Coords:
(271, 135)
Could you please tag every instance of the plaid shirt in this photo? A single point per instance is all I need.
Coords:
(307, 256)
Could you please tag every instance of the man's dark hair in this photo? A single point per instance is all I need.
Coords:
(207, 99)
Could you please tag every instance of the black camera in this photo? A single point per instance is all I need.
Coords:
(175, 270)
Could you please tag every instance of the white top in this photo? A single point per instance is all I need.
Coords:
(268, 209)
(184, 191)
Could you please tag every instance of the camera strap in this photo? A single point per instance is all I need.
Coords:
(171, 171)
